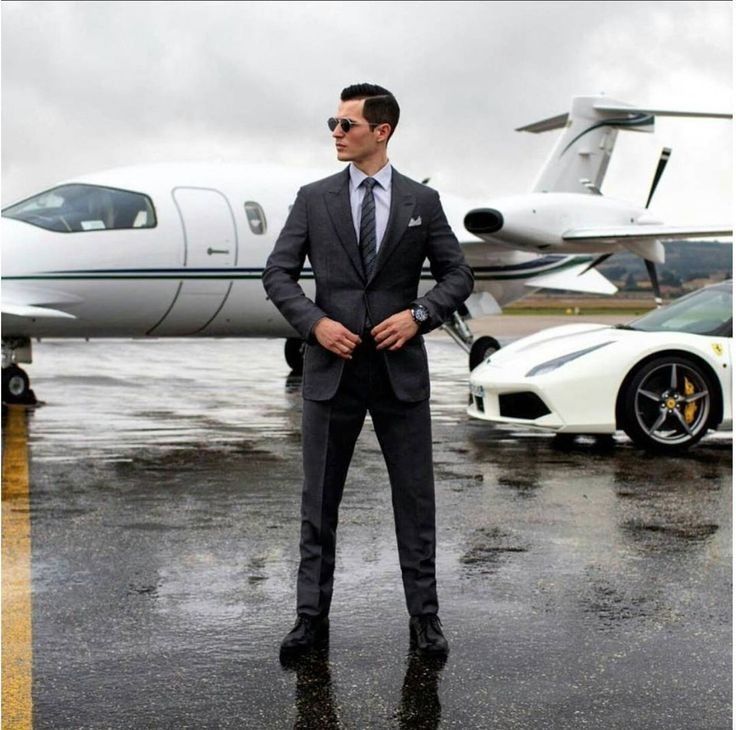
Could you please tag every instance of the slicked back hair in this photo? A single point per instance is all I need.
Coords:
(380, 105)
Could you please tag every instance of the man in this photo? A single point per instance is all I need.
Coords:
(367, 232)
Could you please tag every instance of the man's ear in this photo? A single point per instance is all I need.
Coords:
(384, 132)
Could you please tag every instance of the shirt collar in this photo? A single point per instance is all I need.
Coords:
(382, 177)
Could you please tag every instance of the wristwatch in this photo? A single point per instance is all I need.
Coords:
(419, 313)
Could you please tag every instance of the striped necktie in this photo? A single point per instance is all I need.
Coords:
(368, 227)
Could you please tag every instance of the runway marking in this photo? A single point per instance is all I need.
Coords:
(16, 574)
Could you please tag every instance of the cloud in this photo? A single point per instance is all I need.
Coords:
(91, 85)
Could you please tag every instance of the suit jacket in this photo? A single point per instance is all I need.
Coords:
(320, 226)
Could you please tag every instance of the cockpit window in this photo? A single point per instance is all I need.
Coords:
(78, 207)
(256, 217)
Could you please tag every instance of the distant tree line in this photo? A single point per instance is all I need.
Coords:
(687, 264)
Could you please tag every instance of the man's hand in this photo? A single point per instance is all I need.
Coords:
(393, 333)
(336, 338)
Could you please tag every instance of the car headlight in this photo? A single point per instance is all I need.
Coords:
(550, 365)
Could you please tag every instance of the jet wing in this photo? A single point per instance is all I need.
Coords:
(30, 312)
(30, 302)
(615, 234)
(576, 278)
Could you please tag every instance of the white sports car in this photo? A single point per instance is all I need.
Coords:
(664, 378)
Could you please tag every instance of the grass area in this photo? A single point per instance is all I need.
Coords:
(552, 311)
(574, 305)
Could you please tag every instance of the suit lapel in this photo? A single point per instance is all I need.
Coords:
(338, 207)
(402, 206)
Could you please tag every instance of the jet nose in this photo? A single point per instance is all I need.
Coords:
(484, 220)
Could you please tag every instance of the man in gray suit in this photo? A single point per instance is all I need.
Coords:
(367, 231)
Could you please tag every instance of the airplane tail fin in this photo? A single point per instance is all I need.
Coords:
(579, 160)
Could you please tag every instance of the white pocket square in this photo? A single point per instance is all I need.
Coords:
(415, 222)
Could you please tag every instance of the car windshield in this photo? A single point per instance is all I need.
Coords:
(704, 312)
(78, 207)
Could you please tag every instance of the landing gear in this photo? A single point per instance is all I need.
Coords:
(478, 350)
(459, 331)
(16, 384)
(294, 354)
(482, 348)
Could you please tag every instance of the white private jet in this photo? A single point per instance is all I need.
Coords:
(566, 211)
(177, 250)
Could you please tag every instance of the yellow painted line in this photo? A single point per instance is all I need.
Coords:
(16, 574)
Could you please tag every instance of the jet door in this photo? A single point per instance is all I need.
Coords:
(210, 252)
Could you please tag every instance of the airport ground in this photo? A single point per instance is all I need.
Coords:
(537, 312)
(150, 527)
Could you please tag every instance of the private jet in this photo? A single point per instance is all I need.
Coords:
(177, 250)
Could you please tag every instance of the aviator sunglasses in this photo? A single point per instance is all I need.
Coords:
(345, 124)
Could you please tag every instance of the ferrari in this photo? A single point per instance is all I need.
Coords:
(664, 378)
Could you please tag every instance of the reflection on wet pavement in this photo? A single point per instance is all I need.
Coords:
(316, 707)
(587, 586)
(314, 698)
(420, 702)
(173, 394)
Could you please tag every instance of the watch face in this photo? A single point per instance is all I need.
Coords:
(420, 313)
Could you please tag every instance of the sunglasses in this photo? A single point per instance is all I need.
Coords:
(345, 124)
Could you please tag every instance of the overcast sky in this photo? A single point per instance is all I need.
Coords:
(92, 85)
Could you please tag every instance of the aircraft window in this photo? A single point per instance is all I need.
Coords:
(256, 217)
(78, 207)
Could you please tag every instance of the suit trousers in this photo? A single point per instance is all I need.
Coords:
(329, 432)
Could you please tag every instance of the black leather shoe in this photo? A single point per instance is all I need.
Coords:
(427, 636)
(308, 632)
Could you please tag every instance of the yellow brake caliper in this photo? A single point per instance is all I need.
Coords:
(691, 408)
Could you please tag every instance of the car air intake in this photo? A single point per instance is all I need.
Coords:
(522, 405)
(483, 220)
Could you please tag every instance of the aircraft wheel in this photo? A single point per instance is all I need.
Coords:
(16, 386)
(482, 348)
(666, 405)
(294, 354)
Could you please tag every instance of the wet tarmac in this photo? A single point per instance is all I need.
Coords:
(579, 587)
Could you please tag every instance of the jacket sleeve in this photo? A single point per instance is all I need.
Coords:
(448, 266)
(283, 268)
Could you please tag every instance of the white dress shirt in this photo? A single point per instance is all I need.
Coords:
(381, 194)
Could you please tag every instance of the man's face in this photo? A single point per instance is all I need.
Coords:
(362, 141)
